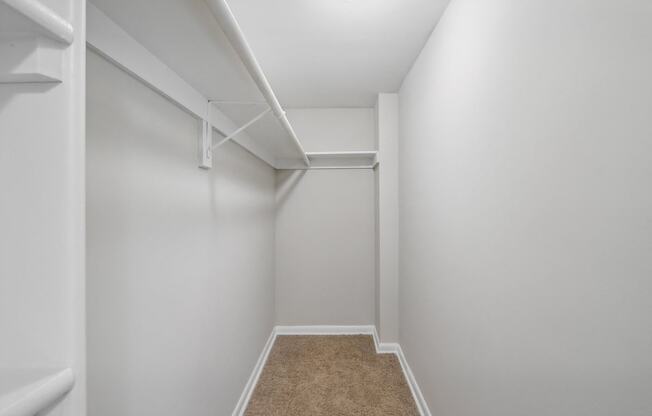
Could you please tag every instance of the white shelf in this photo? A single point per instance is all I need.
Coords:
(26, 392)
(30, 58)
(336, 160)
(32, 41)
(208, 70)
(217, 69)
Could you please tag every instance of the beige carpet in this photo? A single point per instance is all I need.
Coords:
(330, 375)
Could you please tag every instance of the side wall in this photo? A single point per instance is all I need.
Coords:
(180, 260)
(526, 211)
(325, 226)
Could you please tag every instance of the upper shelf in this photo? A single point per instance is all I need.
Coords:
(27, 392)
(32, 39)
(236, 36)
(195, 54)
(338, 160)
(202, 57)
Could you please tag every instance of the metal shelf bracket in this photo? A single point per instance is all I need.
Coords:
(206, 145)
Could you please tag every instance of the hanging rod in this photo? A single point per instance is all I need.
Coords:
(46, 18)
(233, 32)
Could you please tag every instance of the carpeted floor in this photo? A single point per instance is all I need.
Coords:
(330, 375)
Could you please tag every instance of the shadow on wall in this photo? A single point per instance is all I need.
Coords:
(9, 91)
(236, 176)
(286, 181)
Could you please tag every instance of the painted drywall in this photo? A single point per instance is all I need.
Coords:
(180, 260)
(325, 226)
(42, 217)
(387, 233)
(526, 212)
(336, 53)
(334, 129)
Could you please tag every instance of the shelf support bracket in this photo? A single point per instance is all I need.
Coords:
(205, 141)
(241, 129)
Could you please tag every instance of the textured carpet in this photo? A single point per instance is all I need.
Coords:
(330, 375)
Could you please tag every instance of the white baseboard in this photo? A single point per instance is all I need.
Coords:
(376, 340)
(381, 348)
(387, 348)
(412, 382)
(395, 348)
(325, 330)
(241, 406)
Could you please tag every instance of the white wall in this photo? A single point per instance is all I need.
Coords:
(42, 218)
(325, 223)
(526, 212)
(334, 129)
(180, 260)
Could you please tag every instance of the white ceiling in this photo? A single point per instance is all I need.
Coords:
(315, 53)
(336, 53)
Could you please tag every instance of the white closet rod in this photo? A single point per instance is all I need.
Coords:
(232, 30)
(42, 15)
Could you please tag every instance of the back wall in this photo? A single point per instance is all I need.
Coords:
(325, 226)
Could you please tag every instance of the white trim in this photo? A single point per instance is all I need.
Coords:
(381, 348)
(241, 406)
(325, 330)
(412, 382)
(388, 348)
(384, 347)
(376, 340)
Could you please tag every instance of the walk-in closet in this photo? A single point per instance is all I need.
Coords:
(325, 208)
